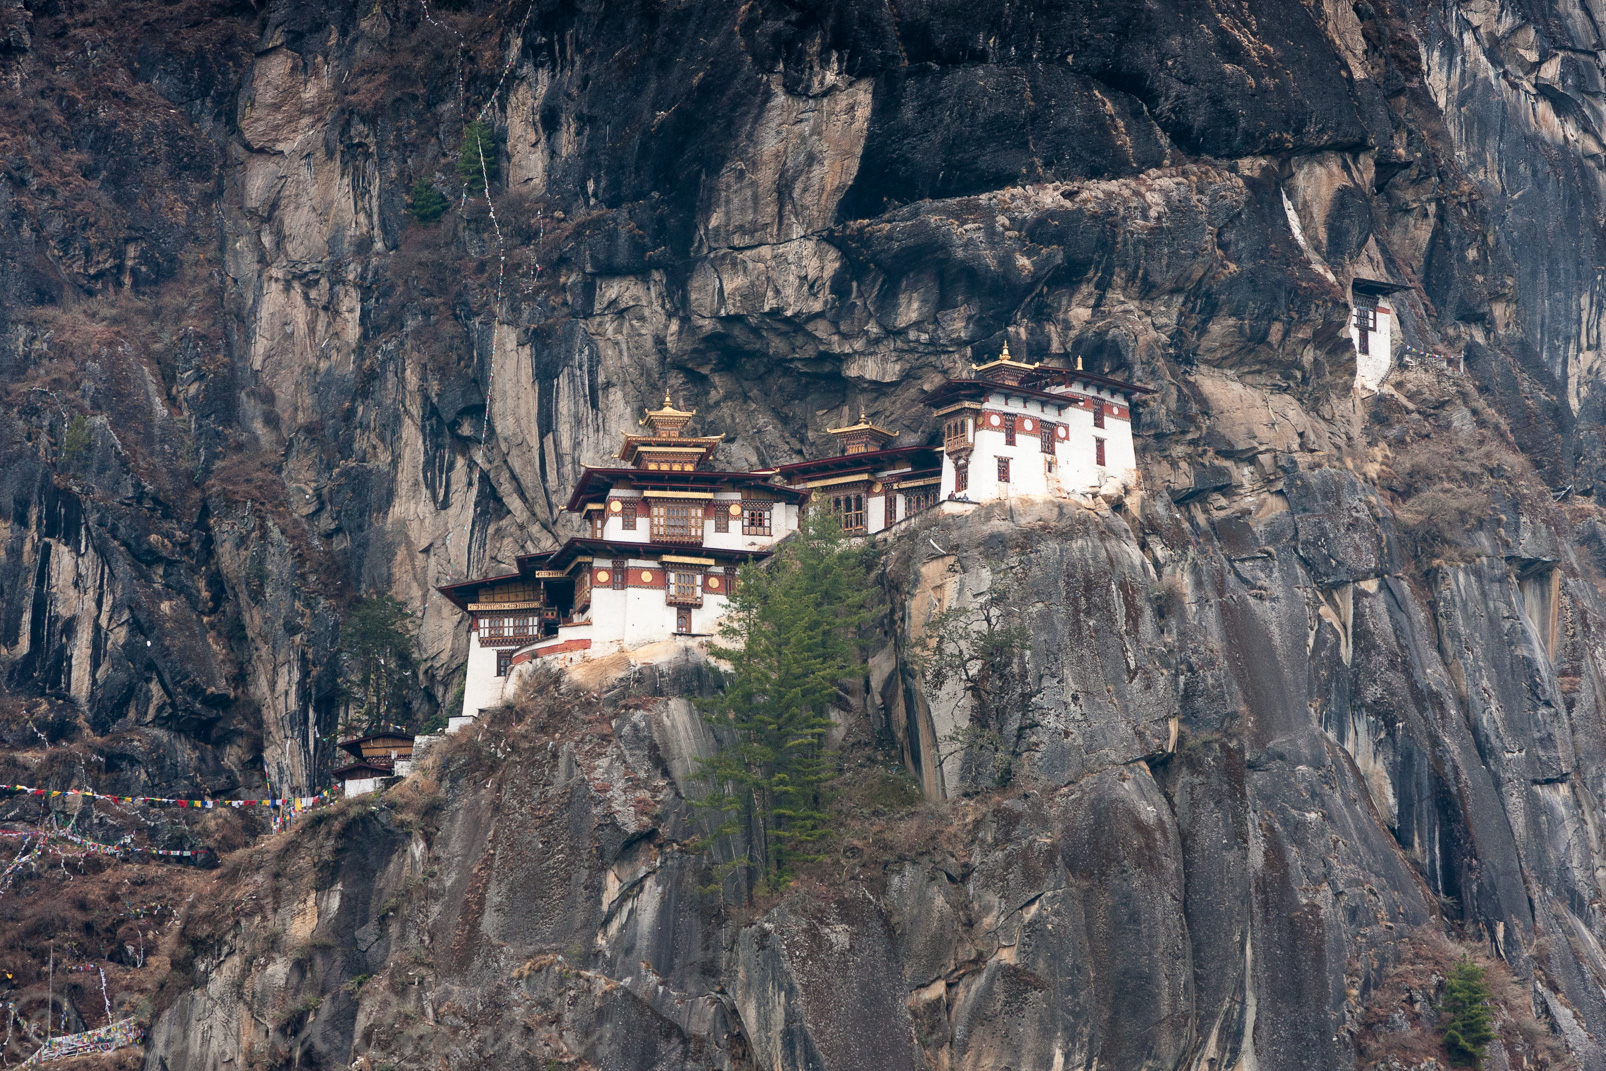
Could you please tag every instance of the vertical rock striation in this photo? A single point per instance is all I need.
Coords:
(1334, 672)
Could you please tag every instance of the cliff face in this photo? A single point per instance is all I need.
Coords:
(1334, 675)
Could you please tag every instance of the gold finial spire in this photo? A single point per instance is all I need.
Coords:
(1003, 354)
(862, 418)
(667, 421)
(1078, 362)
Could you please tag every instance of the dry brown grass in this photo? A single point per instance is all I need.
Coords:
(1450, 458)
(1401, 1020)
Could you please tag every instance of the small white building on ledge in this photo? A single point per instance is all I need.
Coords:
(1025, 429)
(1371, 330)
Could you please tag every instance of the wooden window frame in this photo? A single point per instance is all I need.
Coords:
(513, 629)
(1366, 322)
(1003, 470)
(918, 500)
(675, 588)
(752, 511)
(683, 621)
(961, 476)
(504, 662)
(722, 518)
(1009, 429)
(889, 515)
(663, 512)
(849, 508)
(627, 515)
(1098, 414)
(1046, 430)
(620, 578)
(1098, 452)
(957, 432)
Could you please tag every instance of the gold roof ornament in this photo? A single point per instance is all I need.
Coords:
(863, 425)
(667, 421)
(1004, 368)
(861, 437)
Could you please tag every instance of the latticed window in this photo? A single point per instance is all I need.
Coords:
(620, 578)
(918, 498)
(890, 517)
(849, 509)
(685, 587)
(722, 518)
(1098, 451)
(627, 516)
(509, 628)
(677, 522)
(956, 432)
(1098, 415)
(1009, 429)
(1003, 470)
(961, 477)
(1045, 436)
(756, 518)
(1365, 323)
(683, 620)
(504, 663)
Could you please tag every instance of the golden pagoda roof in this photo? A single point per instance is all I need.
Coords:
(863, 425)
(1003, 360)
(668, 412)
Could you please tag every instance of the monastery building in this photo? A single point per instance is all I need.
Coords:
(666, 530)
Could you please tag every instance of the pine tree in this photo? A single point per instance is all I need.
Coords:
(379, 658)
(426, 204)
(477, 160)
(791, 638)
(1466, 1002)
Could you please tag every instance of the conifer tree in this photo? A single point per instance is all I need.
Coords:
(477, 160)
(1466, 1003)
(426, 204)
(790, 639)
(379, 657)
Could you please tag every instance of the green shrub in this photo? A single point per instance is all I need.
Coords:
(1466, 1003)
(426, 204)
(476, 160)
(77, 438)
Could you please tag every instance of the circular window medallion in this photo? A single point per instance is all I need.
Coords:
(603, 576)
(736, 509)
(646, 577)
(1026, 424)
(713, 583)
(1063, 432)
(995, 420)
(876, 488)
(615, 506)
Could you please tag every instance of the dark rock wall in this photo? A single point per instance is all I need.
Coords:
(1272, 727)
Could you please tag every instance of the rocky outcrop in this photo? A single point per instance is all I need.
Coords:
(1331, 670)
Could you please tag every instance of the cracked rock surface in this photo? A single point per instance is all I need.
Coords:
(1332, 672)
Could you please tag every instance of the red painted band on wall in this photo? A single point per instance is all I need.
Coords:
(561, 648)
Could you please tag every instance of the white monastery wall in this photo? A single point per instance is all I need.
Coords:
(1076, 465)
(481, 687)
(1372, 366)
